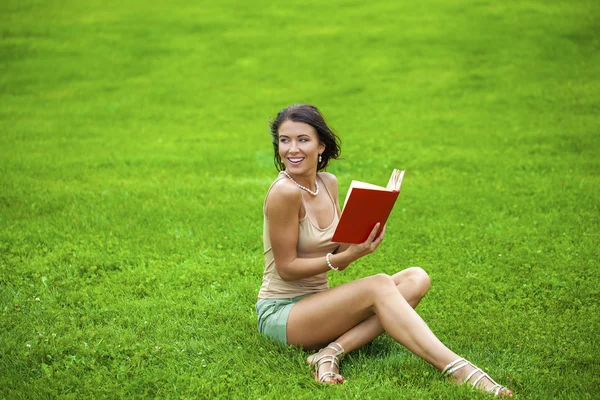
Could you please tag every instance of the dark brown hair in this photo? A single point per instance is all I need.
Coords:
(312, 116)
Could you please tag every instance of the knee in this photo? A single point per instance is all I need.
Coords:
(421, 279)
(382, 283)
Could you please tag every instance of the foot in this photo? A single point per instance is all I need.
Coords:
(326, 364)
(464, 371)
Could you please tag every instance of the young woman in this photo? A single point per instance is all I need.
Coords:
(295, 305)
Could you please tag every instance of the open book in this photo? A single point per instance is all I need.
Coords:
(365, 206)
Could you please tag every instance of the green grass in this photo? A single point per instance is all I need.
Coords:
(134, 158)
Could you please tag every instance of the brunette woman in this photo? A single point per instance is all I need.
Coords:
(295, 305)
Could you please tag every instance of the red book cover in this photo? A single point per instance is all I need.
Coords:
(366, 206)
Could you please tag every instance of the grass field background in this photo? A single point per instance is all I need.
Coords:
(135, 156)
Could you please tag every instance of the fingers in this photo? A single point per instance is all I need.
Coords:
(382, 234)
(369, 245)
(377, 242)
(373, 232)
(373, 241)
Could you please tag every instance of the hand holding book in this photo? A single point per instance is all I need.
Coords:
(364, 207)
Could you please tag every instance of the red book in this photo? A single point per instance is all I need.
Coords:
(365, 206)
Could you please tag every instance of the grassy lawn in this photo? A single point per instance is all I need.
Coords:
(135, 156)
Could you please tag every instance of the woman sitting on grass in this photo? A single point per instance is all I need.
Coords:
(295, 305)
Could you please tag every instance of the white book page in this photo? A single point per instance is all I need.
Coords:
(398, 179)
(365, 185)
(393, 184)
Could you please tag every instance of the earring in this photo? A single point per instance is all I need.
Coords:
(320, 158)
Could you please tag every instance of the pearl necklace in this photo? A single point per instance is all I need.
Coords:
(316, 192)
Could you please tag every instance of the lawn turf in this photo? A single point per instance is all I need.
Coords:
(135, 155)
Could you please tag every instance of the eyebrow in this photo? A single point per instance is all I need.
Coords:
(300, 135)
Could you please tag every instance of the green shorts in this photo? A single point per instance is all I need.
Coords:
(273, 316)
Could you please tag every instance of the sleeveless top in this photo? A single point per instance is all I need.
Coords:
(313, 242)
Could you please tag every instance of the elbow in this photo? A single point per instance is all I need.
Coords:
(284, 275)
(285, 269)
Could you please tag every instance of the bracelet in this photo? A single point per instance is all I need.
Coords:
(329, 262)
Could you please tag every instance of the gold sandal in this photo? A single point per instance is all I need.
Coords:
(461, 362)
(332, 359)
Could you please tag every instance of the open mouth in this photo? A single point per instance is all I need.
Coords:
(295, 160)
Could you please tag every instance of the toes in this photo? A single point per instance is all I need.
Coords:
(333, 380)
(336, 379)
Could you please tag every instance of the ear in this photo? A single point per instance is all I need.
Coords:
(321, 147)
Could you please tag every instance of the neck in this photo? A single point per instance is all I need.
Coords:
(307, 180)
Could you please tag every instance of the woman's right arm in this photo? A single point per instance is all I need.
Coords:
(283, 208)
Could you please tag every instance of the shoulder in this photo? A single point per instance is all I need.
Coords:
(283, 202)
(329, 179)
(284, 191)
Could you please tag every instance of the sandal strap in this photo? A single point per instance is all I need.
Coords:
(332, 359)
(496, 389)
(460, 363)
(480, 377)
(455, 365)
(476, 370)
(338, 348)
(326, 374)
(327, 358)
(458, 366)
(452, 364)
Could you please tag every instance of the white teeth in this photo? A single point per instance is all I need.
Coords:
(295, 159)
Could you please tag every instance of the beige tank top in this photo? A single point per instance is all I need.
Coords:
(313, 242)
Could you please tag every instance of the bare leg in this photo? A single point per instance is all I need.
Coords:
(330, 314)
(412, 283)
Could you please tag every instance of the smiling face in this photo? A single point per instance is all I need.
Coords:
(299, 147)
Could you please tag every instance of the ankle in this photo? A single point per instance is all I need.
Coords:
(464, 371)
(335, 348)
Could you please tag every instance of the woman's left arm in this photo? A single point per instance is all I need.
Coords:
(332, 184)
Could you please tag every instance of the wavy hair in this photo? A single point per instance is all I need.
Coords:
(312, 116)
